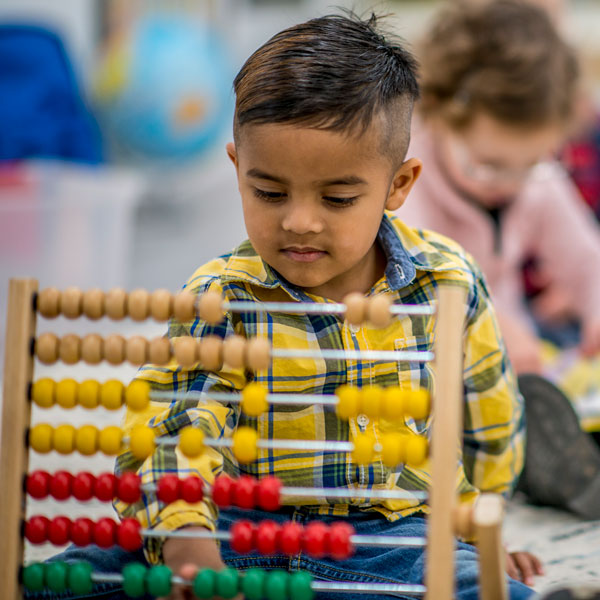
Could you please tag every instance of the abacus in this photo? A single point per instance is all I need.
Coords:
(337, 540)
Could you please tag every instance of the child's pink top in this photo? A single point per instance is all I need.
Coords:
(548, 220)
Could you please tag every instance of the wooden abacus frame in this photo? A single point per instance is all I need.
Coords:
(486, 518)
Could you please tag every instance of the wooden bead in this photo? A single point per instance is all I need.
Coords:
(210, 307)
(46, 348)
(211, 352)
(69, 349)
(378, 310)
(138, 305)
(258, 354)
(186, 351)
(136, 350)
(114, 349)
(356, 308)
(184, 306)
(462, 520)
(159, 351)
(93, 304)
(115, 304)
(161, 304)
(234, 351)
(71, 302)
(92, 349)
(48, 303)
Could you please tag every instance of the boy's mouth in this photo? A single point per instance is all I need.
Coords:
(303, 253)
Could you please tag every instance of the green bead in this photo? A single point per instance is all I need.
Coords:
(300, 586)
(205, 583)
(276, 585)
(80, 578)
(253, 584)
(33, 577)
(228, 583)
(134, 579)
(158, 580)
(56, 576)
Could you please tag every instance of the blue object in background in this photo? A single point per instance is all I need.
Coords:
(42, 114)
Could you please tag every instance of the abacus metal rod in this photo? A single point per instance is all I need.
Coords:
(335, 354)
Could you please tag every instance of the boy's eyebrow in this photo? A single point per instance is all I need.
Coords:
(348, 180)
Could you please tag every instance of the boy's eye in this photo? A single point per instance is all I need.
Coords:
(270, 196)
(340, 202)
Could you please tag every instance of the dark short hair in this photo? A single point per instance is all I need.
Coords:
(336, 72)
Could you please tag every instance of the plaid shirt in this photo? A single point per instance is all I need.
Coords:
(418, 261)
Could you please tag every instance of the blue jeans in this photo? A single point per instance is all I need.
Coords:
(368, 564)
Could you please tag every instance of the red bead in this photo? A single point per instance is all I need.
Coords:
(267, 537)
(192, 489)
(242, 537)
(168, 488)
(36, 529)
(82, 531)
(83, 486)
(59, 531)
(222, 491)
(105, 487)
(105, 533)
(244, 492)
(340, 546)
(37, 485)
(290, 538)
(128, 487)
(268, 493)
(60, 485)
(128, 535)
(315, 539)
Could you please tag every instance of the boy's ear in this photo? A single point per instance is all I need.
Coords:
(404, 179)
(231, 152)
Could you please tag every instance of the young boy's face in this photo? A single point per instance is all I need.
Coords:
(313, 202)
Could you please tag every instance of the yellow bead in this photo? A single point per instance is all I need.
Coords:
(370, 401)
(392, 449)
(416, 450)
(43, 392)
(418, 404)
(110, 440)
(141, 441)
(363, 449)
(244, 444)
(392, 403)
(254, 400)
(348, 401)
(137, 395)
(88, 393)
(66, 393)
(191, 441)
(64, 439)
(86, 440)
(40, 437)
(111, 394)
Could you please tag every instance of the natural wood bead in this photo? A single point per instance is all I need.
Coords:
(258, 354)
(186, 351)
(136, 350)
(161, 304)
(114, 349)
(92, 351)
(138, 304)
(71, 302)
(93, 304)
(210, 307)
(48, 302)
(159, 351)
(378, 310)
(211, 352)
(356, 308)
(184, 306)
(462, 520)
(46, 348)
(115, 304)
(69, 349)
(234, 351)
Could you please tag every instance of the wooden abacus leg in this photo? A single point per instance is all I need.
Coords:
(447, 405)
(18, 373)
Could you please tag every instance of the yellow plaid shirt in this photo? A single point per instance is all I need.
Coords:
(418, 261)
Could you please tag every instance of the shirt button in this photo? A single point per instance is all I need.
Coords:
(362, 420)
(354, 328)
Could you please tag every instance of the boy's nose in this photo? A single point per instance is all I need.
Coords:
(301, 220)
